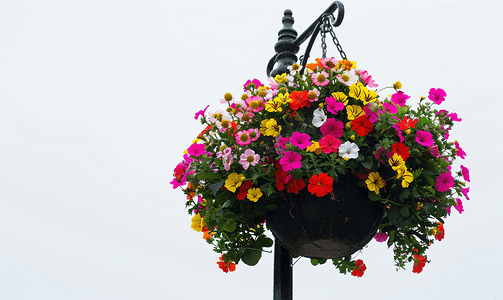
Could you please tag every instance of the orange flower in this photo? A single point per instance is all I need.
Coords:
(226, 267)
(320, 184)
(207, 234)
(299, 99)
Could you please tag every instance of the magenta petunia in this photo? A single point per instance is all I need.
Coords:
(330, 144)
(367, 79)
(459, 151)
(381, 237)
(252, 84)
(373, 117)
(388, 108)
(333, 105)
(399, 98)
(424, 138)
(332, 127)
(444, 182)
(459, 206)
(291, 160)
(301, 140)
(434, 150)
(196, 149)
(437, 95)
(465, 172)
(200, 113)
(454, 117)
(465, 192)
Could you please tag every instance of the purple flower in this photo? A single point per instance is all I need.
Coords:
(437, 95)
(399, 98)
(291, 160)
(466, 173)
(444, 182)
(424, 138)
(381, 237)
(301, 140)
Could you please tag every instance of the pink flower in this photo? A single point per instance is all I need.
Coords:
(242, 137)
(332, 127)
(330, 144)
(444, 182)
(252, 84)
(333, 105)
(196, 149)
(459, 151)
(459, 206)
(367, 79)
(447, 135)
(320, 79)
(373, 117)
(381, 237)
(399, 98)
(437, 95)
(399, 132)
(465, 192)
(249, 158)
(434, 150)
(200, 113)
(291, 160)
(329, 63)
(301, 140)
(466, 173)
(454, 117)
(254, 134)
(390, 108)
(424, 138)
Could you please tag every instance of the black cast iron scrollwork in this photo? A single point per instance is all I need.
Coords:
(289, 44)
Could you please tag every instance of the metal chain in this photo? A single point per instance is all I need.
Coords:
(327, 27)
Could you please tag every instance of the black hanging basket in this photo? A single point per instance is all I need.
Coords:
(332, 226)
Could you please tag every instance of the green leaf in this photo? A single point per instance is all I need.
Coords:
(251, 256)
(425, 120)
(396, 218)
(228, 203)
(272, 207)
(367, 164)
(223, 196)
(216, 186)
(208, 176)
(374, 197)
(429, 179)
(404, 211)
(314, 261)
(230, 226)
(265, 242)
(322, 261)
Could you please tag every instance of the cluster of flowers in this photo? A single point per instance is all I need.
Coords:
(306, 130)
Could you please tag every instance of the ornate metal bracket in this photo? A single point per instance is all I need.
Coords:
(289, 44)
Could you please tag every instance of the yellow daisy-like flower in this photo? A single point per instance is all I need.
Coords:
(375, 182)
(254, 194)
(396, 162)
(234, 181)
(272, 128)
(406, 177)
(198, 223)
(341, 97)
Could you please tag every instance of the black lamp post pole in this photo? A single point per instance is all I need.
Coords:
(286, 49)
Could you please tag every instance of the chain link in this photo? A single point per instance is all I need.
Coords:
(325, 27)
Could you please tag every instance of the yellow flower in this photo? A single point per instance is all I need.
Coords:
(341, 97)
(263, 126)
(419, 205)
(272, 128)
(375, 182)
(281, 78)
(198, 223)
(273, 105)
(234, 181)
(228, 97)
(355, 90)
(283, 97)
(396, 162)
(407, 131)
(406, 177)
(354, 111)
(315, 147)
(254, 194)
(397, 85)
(368, 96)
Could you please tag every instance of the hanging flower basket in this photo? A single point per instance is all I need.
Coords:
(324, 162)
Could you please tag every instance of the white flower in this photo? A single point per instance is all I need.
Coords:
(319, 117)
(348, 77)
(349, 150)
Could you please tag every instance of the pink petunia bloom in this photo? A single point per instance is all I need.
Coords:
(444, 182)
(301, 140)
(465, 192)
(291, 160)
(399, 98)
(373, 117)
(367, 79)
(320, 79)
(434, 150)
(437, 95)
(459, 151)
(330, 144)
(381, 237)
(333, 105)
(465, 172)
(252, 84)
(332, 127)
(182, 181)
(448, 209)
(399, 132)
(454, 117)
(196, 149)
(389, 108)
(249, 158)
(200, 113)
(459, 206)
(424, 138)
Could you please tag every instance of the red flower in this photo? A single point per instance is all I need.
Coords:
(419, 263)
(320, 184)
(401, 150)
(362, 125)
(440, 232)
(405, 123)
(204, 131)
(243, 189)
(226, 267)
(299, 99)
(295, 185)
(359, 269)
(281, 177)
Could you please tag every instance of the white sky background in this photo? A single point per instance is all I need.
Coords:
(97, 100)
